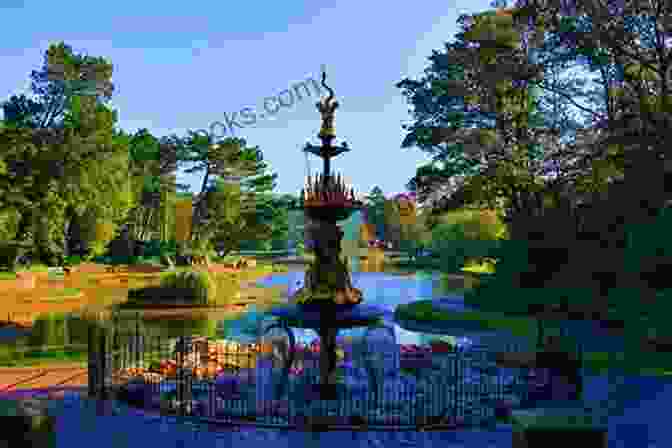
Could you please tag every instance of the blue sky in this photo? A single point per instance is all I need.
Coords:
(183, 65)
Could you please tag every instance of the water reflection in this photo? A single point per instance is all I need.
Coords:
(385, 289)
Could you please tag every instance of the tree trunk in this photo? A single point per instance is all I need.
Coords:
(66, 235)
(25, 225)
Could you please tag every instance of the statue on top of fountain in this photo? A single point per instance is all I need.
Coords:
(328, 277)
(327, 107)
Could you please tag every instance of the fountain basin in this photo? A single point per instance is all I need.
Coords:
(311, 315)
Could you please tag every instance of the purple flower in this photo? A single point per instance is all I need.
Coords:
(227, 385)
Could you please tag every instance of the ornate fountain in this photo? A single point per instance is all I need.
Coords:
(326, 200)
(327, 302)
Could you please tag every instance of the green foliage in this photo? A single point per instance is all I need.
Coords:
(72, 260)
(374, 204)
(201, 286)
(255, 245)
(648, 252)
(466, 236)
(96, 250)
(8, 254)
(9, 221)
(61, 163)
(38, 267)
(300, 247)
(152, 248)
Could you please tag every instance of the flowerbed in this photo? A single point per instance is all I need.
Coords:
(240, 395)
(206, 363)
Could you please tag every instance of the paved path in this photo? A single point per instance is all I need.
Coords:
(64, 375)
(79, 423)
(636, 410)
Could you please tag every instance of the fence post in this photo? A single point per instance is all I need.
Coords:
(93, 362)
(102, 370)
(137, 339)
(183, 388)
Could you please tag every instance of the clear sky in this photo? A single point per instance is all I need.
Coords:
(183, 65)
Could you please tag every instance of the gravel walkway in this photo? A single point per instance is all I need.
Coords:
(80, 422)
(635, 409)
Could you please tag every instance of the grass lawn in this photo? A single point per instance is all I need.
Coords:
(59, 294)
(38, 268)
(435, 263)
(633, 361)
(424, 311)
(12, 275)
(485, 268)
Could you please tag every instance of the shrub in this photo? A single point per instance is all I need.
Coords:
(72, 260)
(648, 254)
(279, 268)
(8, 254)
(201, 285)
(39, 268)
(96, 251)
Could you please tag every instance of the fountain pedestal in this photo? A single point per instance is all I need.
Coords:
(327, 320)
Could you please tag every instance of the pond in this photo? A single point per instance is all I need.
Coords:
(383, 289)
(386, 289)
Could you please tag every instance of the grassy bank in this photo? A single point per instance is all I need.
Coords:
(423, 311)
(228, 287)
(633, 361)
(435, 263)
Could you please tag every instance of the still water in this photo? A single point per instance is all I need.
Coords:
(383, 289)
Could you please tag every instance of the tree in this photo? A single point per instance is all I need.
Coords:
(630, 40)
(274, 214)
(50, 142)
(234, 195)
(628, 45)
(238, 225)
(374, 209)
(280, 221)
(474, 232)
(479, 111)
(154, 162)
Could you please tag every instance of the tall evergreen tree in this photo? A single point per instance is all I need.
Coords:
(52, 141)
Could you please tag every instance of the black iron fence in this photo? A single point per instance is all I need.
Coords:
(209, 380)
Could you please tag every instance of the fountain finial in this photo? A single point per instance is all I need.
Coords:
(327, 106)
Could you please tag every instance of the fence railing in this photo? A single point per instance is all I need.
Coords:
(210, 381)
